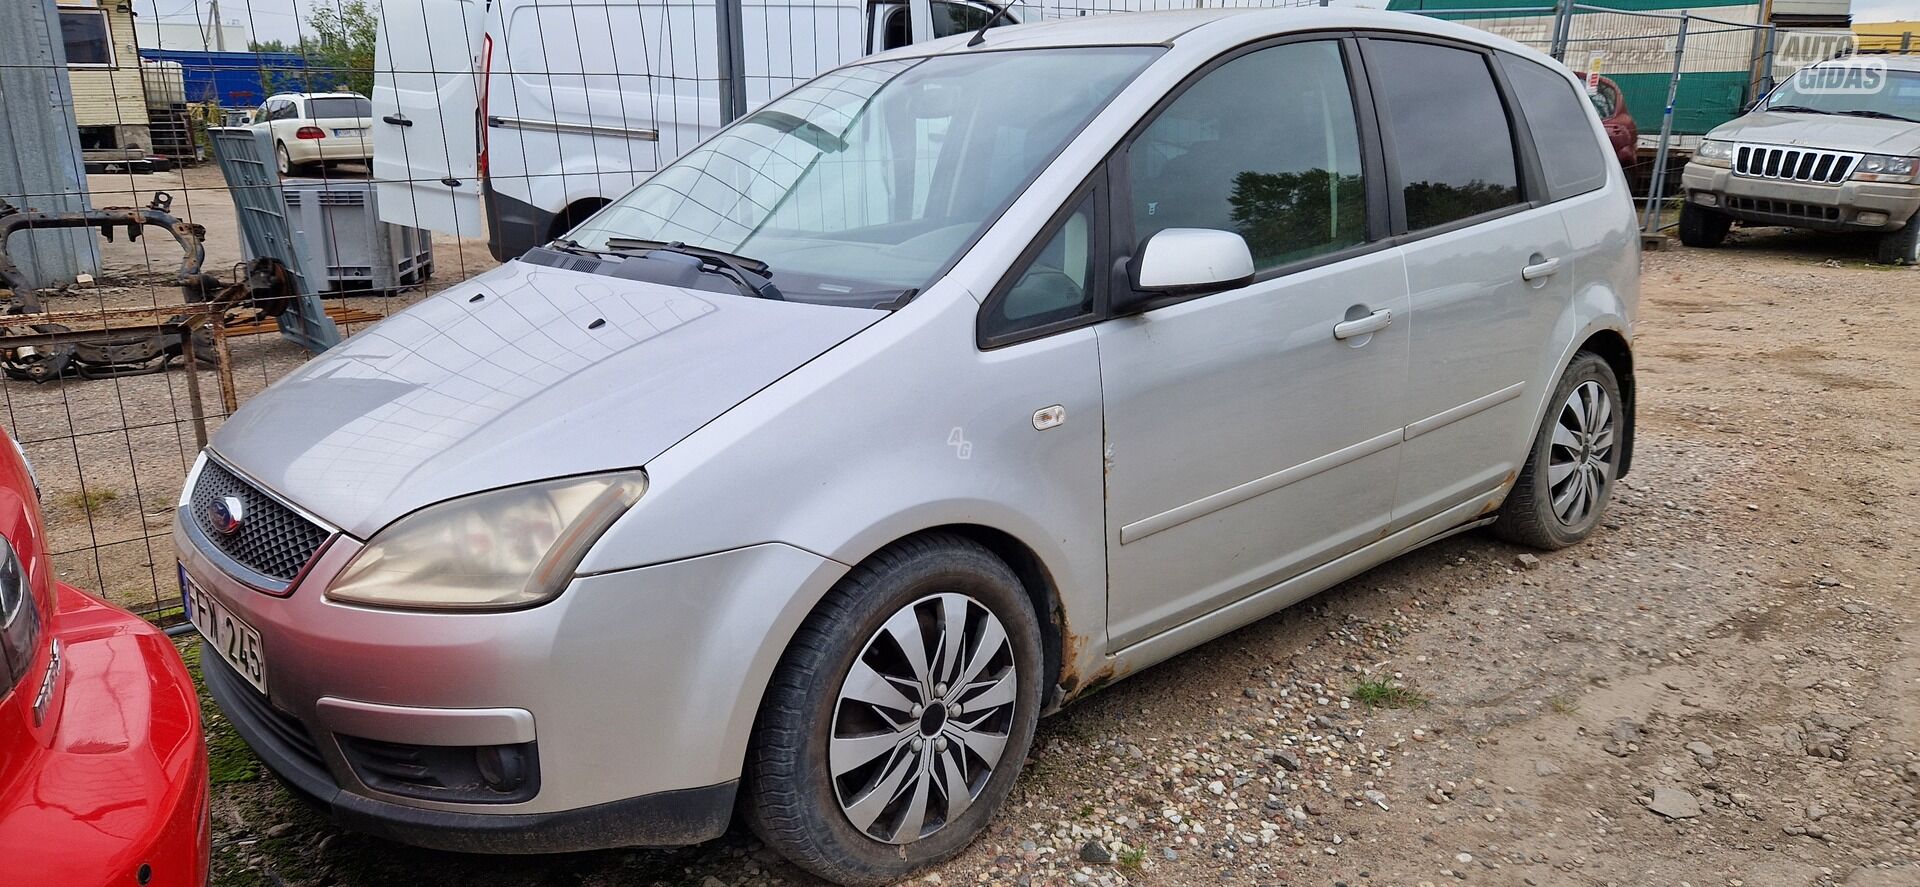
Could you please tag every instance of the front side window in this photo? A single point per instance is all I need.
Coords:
(1451, 139)
(1265, 145)
(84, 31)
(1057, 283)
(1571, 156)
(873, 179)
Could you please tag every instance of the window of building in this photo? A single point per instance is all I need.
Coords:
(89, 43)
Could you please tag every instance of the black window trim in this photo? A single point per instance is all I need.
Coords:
(1532, 190)
(1372, 167)
(1097, 186)
(1538, 168)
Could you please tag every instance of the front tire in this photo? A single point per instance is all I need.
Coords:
(882, 746)
(1567, 482)
(1703, 227)
(1902, 247)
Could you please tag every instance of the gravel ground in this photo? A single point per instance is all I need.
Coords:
(1721, 688)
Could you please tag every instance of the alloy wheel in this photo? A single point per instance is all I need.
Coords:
(1580, 461)
(922, 718)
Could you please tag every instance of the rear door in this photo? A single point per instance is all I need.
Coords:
(425, 114)
(1488, 263)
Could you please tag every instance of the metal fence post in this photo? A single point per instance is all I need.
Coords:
(733, 60)
(1906, 42)
(1562, 29)
(1650, 224)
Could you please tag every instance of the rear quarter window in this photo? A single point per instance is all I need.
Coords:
(1572, 156)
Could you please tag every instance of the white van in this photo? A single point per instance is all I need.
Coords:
(539, 112)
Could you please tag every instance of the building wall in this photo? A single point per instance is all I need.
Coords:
(112, 96)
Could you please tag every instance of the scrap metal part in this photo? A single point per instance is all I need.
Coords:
(52, 349)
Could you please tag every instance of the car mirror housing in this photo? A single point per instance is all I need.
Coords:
(1190, 261)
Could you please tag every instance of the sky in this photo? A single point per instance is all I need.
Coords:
(281, 19)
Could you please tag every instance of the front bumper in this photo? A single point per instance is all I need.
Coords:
(1801, 204)
(637, 689)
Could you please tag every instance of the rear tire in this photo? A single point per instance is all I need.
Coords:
(1902, 247)
(1703, 227)
(820, 790)
(284, 161)
(1567, 482)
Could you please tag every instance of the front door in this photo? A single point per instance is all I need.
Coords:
(1246, 442)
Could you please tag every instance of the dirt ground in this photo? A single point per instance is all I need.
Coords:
(112, 454)
(1721, 688)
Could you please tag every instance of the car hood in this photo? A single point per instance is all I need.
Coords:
(1830, 131)
(522, 374)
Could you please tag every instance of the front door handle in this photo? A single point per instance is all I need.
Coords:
(1538, 270)
(1371, 323)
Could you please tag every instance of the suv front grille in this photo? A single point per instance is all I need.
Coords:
(1794, 164)
(273, 540)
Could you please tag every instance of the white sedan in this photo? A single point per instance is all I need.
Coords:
(310, 128)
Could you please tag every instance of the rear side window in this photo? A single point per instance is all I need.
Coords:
(1451, 139)
(1265, 145)
(1570, 153)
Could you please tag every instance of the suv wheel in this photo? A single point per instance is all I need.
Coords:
(1902, 247)
(899, 717)
(1703, 227)
(1568, 478)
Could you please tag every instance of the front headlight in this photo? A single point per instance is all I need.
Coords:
(496, 550)
(1714, 152)
(1886, 168)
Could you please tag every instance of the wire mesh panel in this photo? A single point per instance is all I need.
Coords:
(480, 128)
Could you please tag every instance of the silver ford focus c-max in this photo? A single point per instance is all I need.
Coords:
(945, 388)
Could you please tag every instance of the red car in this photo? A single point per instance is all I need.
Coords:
(1621, 131)
(103, 767)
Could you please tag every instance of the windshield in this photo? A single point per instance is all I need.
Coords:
(339, 106)
(1851, 88)
(871, 180)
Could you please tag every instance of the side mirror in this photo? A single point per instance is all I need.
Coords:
(1187, 262)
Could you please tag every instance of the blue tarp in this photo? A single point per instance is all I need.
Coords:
(241, 79)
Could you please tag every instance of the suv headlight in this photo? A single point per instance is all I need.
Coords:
(1886, 168)
(1714, 152)
(496, 550)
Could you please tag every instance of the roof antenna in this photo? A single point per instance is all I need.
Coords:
(980, 36)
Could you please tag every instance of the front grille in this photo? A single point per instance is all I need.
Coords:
(243, 704)
(1794, 164)
(273, 540)
(1786, 208)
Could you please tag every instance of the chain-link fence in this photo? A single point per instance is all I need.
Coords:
(376, 150)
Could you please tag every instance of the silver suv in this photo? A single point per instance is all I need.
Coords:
(944, 389)
(1834, 148)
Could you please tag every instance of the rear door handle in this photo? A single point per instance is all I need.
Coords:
(1371, 323)
(1540, 269)
(397, 120)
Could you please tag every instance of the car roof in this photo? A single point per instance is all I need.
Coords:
(1894, 62)
(316, 95)
(1224, 27)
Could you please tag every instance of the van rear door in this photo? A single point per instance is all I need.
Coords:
(425, 115)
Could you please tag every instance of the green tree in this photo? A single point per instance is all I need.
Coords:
(340, 52)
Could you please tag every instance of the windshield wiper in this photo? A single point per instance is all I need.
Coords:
(751, 275)
(1798, 109)
(1877, 115)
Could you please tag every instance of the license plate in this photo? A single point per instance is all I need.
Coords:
(234, 640)
(348, 133)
